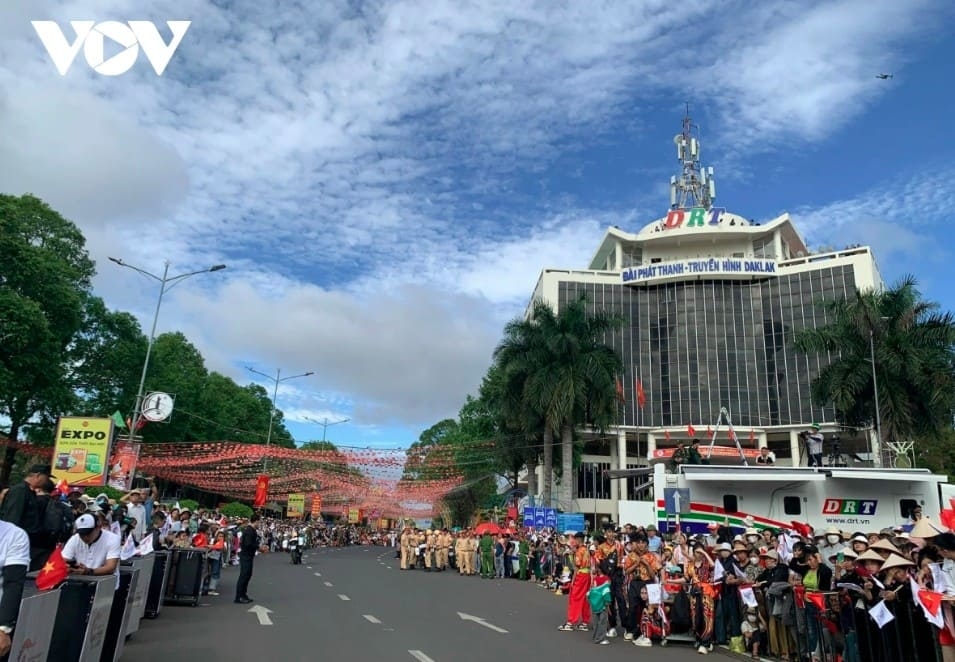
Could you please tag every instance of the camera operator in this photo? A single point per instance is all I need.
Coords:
(813, 441)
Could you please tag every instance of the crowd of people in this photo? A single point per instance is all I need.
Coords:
(796, 595)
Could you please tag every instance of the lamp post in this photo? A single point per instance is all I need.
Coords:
(278, 379)
(877, 446)
(166, 283)
(325, 423)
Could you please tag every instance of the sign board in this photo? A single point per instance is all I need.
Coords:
(721, 268)
(694, 217)
(296, 505)
(676, 500)
(122, 465)
(354, 515)
(317, 506)
(540, 518)
(718, 451)
(570, 522)
(82, 449)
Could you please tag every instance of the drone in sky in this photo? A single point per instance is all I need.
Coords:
(883, 76)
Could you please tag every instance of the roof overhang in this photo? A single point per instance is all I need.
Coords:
(906, 475)
(757, 476)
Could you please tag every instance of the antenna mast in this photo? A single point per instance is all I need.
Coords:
(695, 187)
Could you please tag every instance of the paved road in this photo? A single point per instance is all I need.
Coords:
(355, 604)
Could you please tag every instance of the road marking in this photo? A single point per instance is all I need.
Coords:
(329, 584)
(318, 574)
(370, 618)
(309, 567)
(343, 597)
(262, 613)
(421, 657)
(481, 621)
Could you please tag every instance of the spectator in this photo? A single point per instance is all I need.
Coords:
(14, 559)
(92, 551)
(21, 507)
(765, 456)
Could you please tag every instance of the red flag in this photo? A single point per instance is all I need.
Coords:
(802, 529)
(752, 435)
(261, 491)
(666, 435)
(63, 487)
(54, 572)
(690, 430)
(620, 395)
(641, 396)
(709, 432)
(931, 600)
(817, 599)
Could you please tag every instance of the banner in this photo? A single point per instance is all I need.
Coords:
(261, 491)
(354, 516)
(81, 450)
(122, 465)
(317, 506)
(296, 505)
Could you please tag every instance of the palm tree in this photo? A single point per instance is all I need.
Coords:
(566, 374)
(517, 357)
(912, 341)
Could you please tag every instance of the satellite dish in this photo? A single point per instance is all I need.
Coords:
(678, 139)
(903, 462)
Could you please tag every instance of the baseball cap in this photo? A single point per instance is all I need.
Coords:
(85, 523)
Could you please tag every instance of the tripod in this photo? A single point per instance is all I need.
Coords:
(835, 457)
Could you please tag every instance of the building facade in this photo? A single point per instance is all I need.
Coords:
(711, 302)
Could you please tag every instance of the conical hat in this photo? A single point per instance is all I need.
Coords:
(885, 546)
(895, 561)
(926, 528)
(869, 555)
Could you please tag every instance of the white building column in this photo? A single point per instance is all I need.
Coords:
(618, 256)
(614, 482)
(794, 446)
(651, 445)
(622, 448)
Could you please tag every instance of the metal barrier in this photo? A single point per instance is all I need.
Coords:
(842, 630)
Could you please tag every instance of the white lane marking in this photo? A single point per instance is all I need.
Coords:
(309, 567)
(329, 584)
(482, 622)
(421, 657)
(262, 613)
(370, 618)
(318, 574)
(343, 597)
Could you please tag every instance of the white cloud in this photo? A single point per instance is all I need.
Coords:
(898, 220)
(363, 170)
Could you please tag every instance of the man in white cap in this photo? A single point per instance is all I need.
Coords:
(92, 551)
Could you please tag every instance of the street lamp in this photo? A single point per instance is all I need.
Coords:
(278, 379)
(877, 450)
(325, 423)
(164, 281)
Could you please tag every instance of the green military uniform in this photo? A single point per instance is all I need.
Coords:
(523, 550)
(487, 556)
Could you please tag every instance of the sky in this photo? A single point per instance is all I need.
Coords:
(386, 180)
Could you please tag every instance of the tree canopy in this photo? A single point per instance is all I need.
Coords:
(913, 344)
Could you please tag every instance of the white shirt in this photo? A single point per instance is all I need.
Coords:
(14, 547)
(107, 546)
(137, 512)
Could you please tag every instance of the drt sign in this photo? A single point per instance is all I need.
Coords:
(91, 37)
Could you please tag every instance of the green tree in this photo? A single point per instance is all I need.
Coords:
(105, 358)
(45, 275)
(913, 343)
(568, 373)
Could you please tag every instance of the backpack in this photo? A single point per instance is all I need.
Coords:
(58, 520)
(680, 613)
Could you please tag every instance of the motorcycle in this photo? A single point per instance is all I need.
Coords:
(295, 550)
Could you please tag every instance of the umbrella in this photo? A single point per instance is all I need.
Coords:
(487, 527)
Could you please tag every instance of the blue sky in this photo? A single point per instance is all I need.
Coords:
(386, 179)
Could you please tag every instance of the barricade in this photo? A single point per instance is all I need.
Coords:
(119, 614)
(34, 631)
(843, 629)
(82, 618)
(138, 607)
(157, 585)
